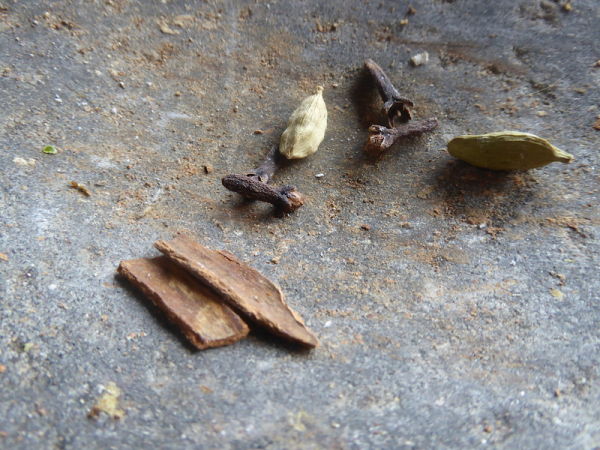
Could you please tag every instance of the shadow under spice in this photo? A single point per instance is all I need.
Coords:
(366, 101)
(483, 197)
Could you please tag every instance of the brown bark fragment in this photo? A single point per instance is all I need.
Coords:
(244, 289)
(195, 309)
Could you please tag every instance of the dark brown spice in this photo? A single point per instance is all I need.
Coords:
(80, 187)
(395, 106)
(397, 110)
(381, 138)
(254, 185)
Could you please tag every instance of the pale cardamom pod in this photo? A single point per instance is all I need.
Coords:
(306, 128)
(506, 150)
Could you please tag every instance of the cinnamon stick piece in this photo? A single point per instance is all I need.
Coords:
(244, 289)
(196, 310)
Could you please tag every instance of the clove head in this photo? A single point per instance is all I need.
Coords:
(294, 199)
(397, 110)
(380, 139)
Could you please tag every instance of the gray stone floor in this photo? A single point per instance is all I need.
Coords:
(466, 316)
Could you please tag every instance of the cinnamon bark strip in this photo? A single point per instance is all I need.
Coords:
(244, 289)
(196, 310)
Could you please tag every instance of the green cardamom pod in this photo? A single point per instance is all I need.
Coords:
(506, 150)
(306, 128)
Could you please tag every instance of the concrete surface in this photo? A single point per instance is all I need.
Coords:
(466, 316)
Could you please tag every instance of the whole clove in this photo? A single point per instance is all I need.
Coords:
(395, 106)
(397, 110)
(381, 138)
(254, 185)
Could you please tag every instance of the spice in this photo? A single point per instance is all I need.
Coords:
(306, 128)
(506, 150)
(80, 187)
(195, 309)
(395, 107)
(254, 185)
(382, 138)
(397, 110)
(244, 289)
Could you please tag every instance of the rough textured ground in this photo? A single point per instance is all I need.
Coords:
(465, 316)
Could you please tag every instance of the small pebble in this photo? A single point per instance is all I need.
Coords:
(24, 161)
(420, 59)
(542, 113)
(557, 393)
(319, 175)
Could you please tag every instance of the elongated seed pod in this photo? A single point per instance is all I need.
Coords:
(306, 128)
(506, 150)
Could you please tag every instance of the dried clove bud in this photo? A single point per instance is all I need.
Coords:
(506, 150)
(398, 113)
(381, 138)
(253, 185)
(306, 128)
